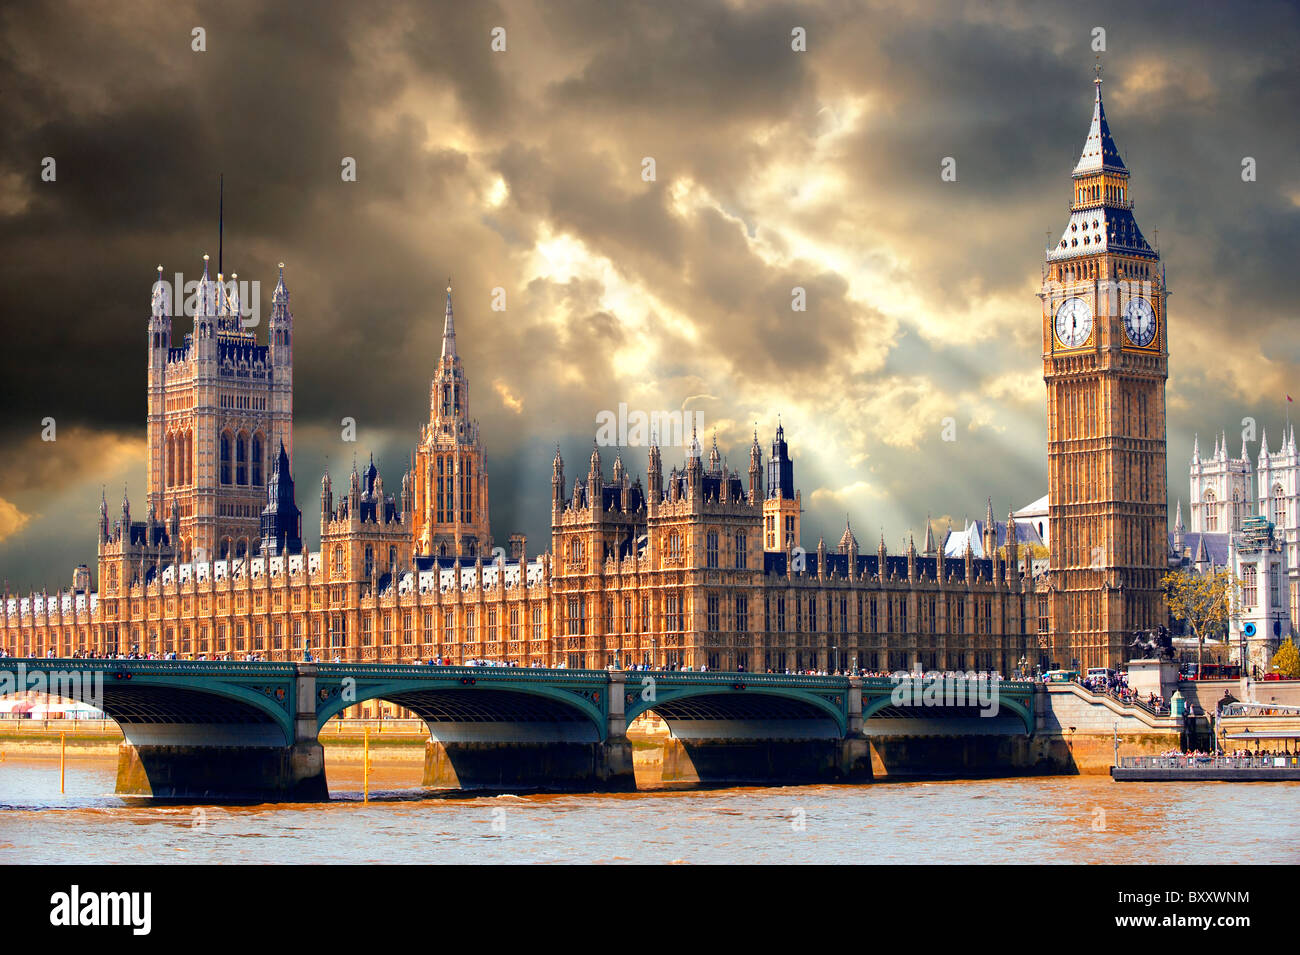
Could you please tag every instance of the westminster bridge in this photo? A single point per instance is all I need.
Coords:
(225, 730)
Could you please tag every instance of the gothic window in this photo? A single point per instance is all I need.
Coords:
(171, 461)
(741, 548)
(672, 613)
(1209, 506)
(714, 616)
(674, 545)
(370, 561)
(338, 561)
(711, 549)
(241, 459)
(1278, 515)
(742, 614)
(1234, 514)
(225, 458)
(577, 620)
(1249, 587)
(257, 459)
(241, 547)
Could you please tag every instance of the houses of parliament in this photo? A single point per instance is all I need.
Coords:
(699, 566)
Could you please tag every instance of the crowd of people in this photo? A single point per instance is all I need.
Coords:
(1116, 685)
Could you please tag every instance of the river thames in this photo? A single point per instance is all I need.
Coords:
(1062, 819)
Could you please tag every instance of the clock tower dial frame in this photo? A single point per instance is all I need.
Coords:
(1106, 446)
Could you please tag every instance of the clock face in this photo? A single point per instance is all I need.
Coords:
(1139, 322)
(1073, 322)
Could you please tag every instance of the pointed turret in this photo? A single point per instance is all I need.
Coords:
(715, 459)
(1196, 450)
(1099, 150)
(848, 543)
(281, 330)
(928, 548)
(448, 329)
(326, 498)
(281, 519)
(654, 472)
(207, 293)
(755, 470)
(1179, 529)
(557, 480)
(990, 540)
(160, 306)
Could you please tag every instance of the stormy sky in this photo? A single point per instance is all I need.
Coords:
(522, 170)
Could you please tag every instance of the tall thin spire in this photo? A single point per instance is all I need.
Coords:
(448, 329)
(1099, 149)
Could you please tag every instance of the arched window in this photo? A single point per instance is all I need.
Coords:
(370, 561)
(171, 462)
(338, 561)
(1249, 588)
(1210, 511)
(241, 548)
(257, 458)
(225, 461)
(1278, 515)
(189, 457)
(1234, 513)
(241, 459)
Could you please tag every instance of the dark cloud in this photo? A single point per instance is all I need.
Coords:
(774, 169)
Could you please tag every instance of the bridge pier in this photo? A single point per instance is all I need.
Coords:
(209, 773)
(762, 762)
(548, 766)
(229, 762)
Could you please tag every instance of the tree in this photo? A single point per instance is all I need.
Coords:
(1286, 661)
(1201, 601)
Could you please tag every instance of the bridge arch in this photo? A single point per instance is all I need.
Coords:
(464, 706)
(745, 709)
(877, 706)
(164, 704)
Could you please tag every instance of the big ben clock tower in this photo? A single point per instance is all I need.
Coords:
(1105, 362)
